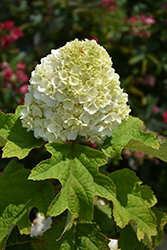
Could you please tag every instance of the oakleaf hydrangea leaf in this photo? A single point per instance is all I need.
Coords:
(127, 130)
(76, 167)
(133, 203)
(19, 141)
(128, 239)
(17, 195)
(83, 235)
(22, 242)
(12, 167)
(161, 221)
(105, 221)
(159, 153)
(2, 141)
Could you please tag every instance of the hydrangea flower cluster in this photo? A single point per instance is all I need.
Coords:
(75, 91)
(113, 244)
(40, 225)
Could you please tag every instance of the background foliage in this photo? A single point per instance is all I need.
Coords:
(134, 34)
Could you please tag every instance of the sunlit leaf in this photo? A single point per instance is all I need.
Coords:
(76, 167)
(160, 153)
(133, 203)
(126, 131)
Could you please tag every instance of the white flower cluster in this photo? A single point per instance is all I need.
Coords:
(113, 244)
(40, 225)
(75, 91)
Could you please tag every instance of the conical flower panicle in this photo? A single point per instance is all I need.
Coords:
(75, 91)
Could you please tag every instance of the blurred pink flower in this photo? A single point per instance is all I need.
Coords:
(94, 38)
(165, 117)
(7, 84)
(16, 33)
(155, 109)
(93, 145)
(7, 25)
(7, 74)
(140, 25)
(23, 89)
(138, 153)
(149, 80)
(21, 76)
(20, 65)
(109, 4)
(144, 33)
(4, 65)
(132, 19)
(147, 19)
(164, 7)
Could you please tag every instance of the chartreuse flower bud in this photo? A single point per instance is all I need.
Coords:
(74, 91)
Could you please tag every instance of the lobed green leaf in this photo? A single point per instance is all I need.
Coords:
(2, 141)
(126, 131)
(16, 241)
(161, 221)
(83, 235)
(159, 153)
(133, 203)
(19, 142)
(19, 194)
(128, 239)
(76, 167)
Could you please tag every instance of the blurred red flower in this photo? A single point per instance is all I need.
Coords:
(5, 41)
(7, 74)
(94, 38)
(165, 117)
(7, 25)
(22, 101)
(16, 33)
(21, 76)
(109, 4)
(10, 33)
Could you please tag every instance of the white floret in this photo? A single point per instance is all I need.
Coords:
(113, 244)
(40, 225)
